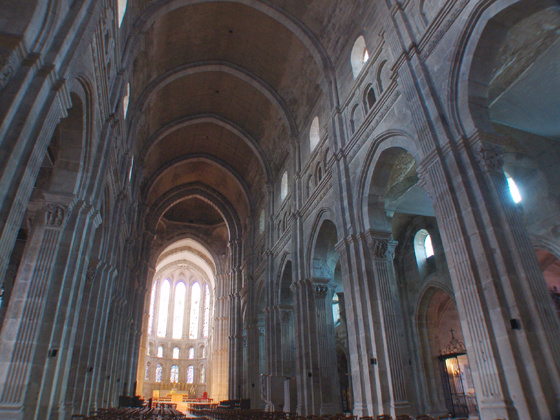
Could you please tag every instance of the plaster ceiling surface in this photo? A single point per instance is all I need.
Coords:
(201, 171)
(205, 140)
(194, 211)
(226, 97)
(220, 90)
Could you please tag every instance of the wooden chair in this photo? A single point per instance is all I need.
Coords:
(404, 417)
(384, 417)
(424, 417)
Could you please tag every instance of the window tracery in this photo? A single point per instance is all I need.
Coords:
(174, 376)
(190, 374)
(159, 372)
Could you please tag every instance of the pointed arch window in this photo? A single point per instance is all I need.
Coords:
(206, 319)
(424, 250)
(152, 308)
(176, 352)
(314, 134)
(147, 372)
(284, 186)
(195, 310)
(203, 374)
(163, 305)
(191, 353)
(179, 310)
(359, 56)
(174, 377)
(160, 351)
(190, 374)
(159, 372)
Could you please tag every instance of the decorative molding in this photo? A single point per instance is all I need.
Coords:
(429, 43)
(455, 346)
(372, 120)
(6, 75)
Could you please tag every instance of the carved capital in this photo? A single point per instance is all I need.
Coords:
(56, 215)
(378, 248)
(381, 246)
(490, 157)
(320, 291)
(285, 315)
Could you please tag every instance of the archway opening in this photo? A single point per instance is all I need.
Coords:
(331, 318)
(445, 355)
(179, 324)
(550, 266)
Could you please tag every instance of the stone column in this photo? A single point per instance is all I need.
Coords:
(309, 398)
(317, 372)
(236, 324)
(104, 274)
(328, 367)
(366, 389)
(386, 299)
(20, 331)
(220, 345)
(509, 326)
(286, 343)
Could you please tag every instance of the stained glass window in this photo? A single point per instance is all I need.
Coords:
(195, 311)
(147, 372)
(176, 352)
(206, 312)
(152, 307)
(191, 353)
(163, 304)
(179, 311)
(202, 352)
(160, 351)
(159, 372)
(190, 374)
(203, 374)
(174, 377)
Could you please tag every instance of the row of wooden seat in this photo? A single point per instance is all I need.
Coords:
(221, 414)
(145, 413)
